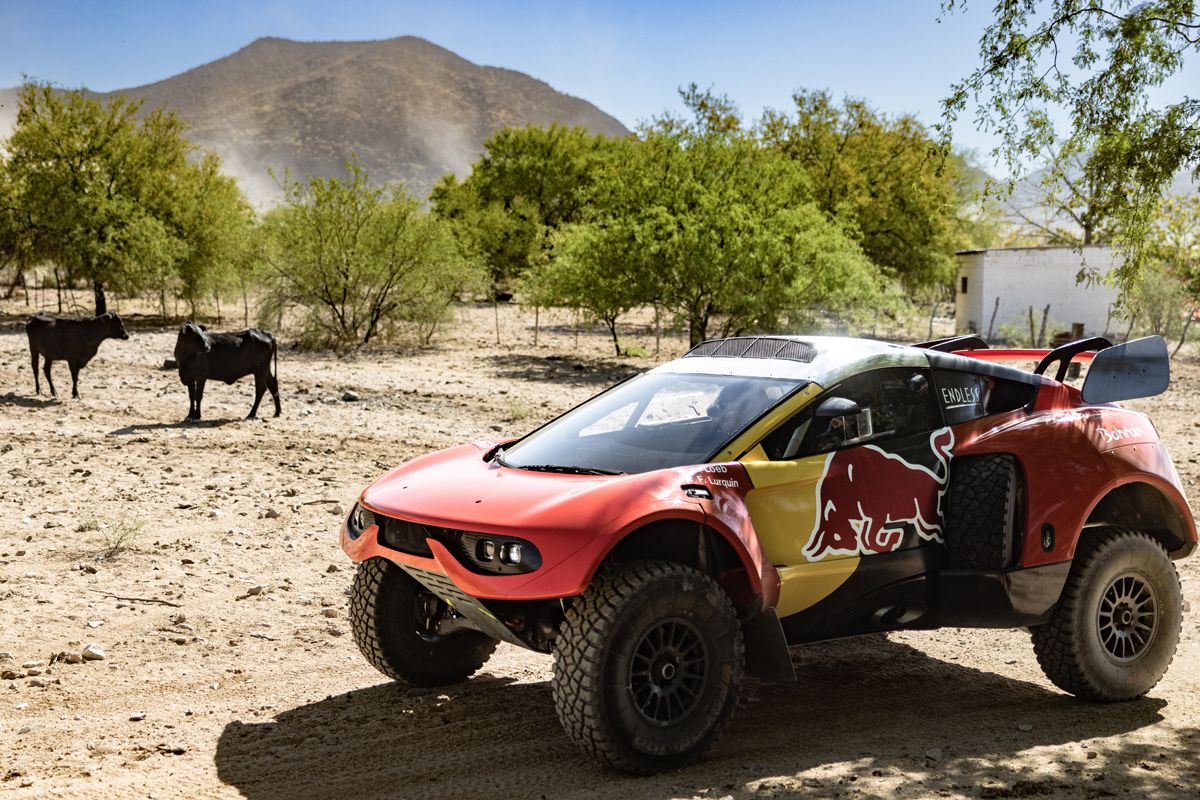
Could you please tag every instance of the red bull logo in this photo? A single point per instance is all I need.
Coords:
(867, 498)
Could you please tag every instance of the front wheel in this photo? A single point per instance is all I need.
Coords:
(1116, 627)
(396, 624)
(647, 666)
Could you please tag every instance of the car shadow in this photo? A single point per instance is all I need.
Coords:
(557, 369)
(873, 706)
(144, 427)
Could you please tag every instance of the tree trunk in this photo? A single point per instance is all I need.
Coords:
(697, 330)
(101, 300)
(992, 321)
(1032, 329)
(1042, 330)
(1129, 331)
(657, 330)
(18, 280)
(496, 311)
(245, 307)
(536, 324)
(932, 313)
(612, 329)
(162, 301)
(1183, 336)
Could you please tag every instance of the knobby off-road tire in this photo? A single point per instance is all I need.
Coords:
(385, 604)
(981, 506)
(1116, 627)
(647, 666)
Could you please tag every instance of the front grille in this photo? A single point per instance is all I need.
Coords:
(407, 537)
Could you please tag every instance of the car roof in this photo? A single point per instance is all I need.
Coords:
(821, 359)
(825, 360)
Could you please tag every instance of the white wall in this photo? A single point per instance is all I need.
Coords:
(1033, 276)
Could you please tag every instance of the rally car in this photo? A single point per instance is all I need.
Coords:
(688, 525)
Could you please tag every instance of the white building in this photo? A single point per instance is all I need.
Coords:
(1025, 277)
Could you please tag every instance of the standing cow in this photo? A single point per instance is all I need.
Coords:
(203, 356)
(74, 341)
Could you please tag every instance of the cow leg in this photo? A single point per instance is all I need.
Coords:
(260, 388)
(199, 395)
(273, 385)
(74, 379)
(49, 380)
(191, 387)
(37, 384)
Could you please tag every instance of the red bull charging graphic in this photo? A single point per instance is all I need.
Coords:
(867, 498)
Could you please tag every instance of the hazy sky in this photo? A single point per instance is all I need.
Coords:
(627, 57)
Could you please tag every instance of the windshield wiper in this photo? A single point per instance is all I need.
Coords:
(566, 469)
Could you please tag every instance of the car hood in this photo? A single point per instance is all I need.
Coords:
(456, 488)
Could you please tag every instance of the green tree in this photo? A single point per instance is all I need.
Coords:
(1064, 206)
(594, 270)
(211, 216)
(360, 260)
(1174, 255)
(697, 217)
(1097, 63)
(529, 182)
(92, 185)
(18, 244)
(884, 178)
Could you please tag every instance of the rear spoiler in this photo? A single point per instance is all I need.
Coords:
(1137, 368)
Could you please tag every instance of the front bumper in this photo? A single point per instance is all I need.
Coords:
(567, 565)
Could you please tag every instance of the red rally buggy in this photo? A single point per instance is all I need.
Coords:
(689, 524)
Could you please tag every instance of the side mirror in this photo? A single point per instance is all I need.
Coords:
(1140, 368)
(837, 407)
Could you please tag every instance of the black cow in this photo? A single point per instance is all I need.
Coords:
(202, 356)
(74, 341)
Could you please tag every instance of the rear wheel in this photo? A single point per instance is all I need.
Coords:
(1115, 630)
(981, 512)
(647, 666)
(396, 623)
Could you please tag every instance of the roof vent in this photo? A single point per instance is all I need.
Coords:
(755, 347)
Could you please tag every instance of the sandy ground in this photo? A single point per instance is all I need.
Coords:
(203, 560)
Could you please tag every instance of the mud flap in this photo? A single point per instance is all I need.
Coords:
(475, 611)
(767, 655)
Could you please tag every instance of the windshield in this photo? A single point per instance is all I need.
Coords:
(653, 421)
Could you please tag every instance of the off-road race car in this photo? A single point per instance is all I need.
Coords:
(688, 525)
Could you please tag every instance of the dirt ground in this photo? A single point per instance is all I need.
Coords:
(203, 560)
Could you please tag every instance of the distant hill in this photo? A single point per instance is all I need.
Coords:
(409, 109)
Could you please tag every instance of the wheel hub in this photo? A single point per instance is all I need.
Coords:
(429, 615)
(1127, 619)
(668, 671)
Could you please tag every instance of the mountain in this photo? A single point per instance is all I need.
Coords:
(409, 109)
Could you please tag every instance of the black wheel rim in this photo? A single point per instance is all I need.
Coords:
(668, 672)
(1128, 617)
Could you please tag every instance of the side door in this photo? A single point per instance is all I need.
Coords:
(860, 471)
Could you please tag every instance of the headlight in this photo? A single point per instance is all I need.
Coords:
(490, 554)
(510, 553)
(359, 520)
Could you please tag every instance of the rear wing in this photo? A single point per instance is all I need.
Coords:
(1137, 368)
